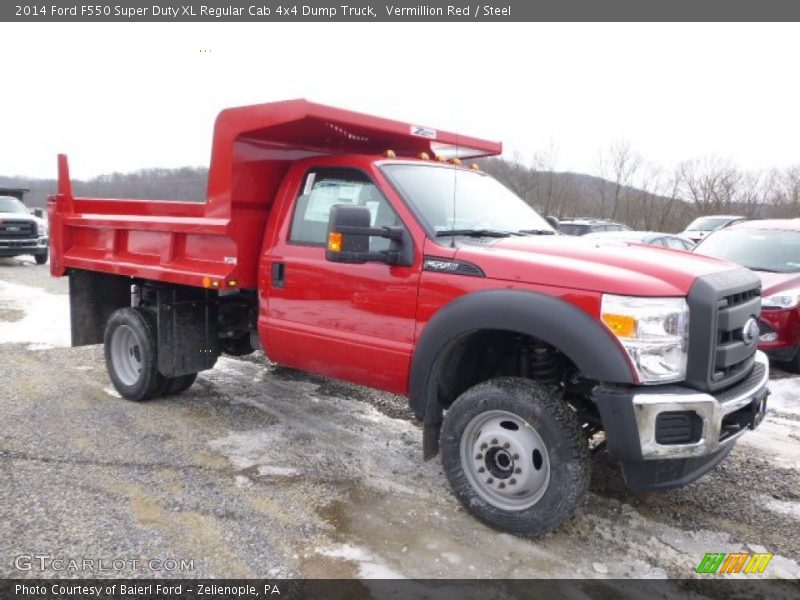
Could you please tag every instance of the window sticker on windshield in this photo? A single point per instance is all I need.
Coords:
(309, 183)
(425, 132)
(325, 195)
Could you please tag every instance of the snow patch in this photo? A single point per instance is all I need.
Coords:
(791, 509)
(369, 567)
(112, 392)
(45, 323)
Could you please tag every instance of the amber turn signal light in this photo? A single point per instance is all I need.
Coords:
(623, 326)
(335, 241)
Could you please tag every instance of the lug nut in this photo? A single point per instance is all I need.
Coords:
(478, 456)
(481, 469)
(515, 457)
(517, 470)
(506, 445)
(494, 442)
(484, 446)
(490, 480)
(512, 481)
(502, 485)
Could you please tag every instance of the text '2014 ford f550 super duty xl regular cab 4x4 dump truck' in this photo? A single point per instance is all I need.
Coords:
(358, 248)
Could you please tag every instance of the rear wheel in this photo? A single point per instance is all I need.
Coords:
(514, 455)
(131, 354)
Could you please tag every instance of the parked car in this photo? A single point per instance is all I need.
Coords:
(702, 226)
(651, 238)
(770, 248)
(581, 226)
(350, 246)
(21, 232)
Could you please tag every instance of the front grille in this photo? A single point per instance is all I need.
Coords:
(719, 306)
(15, 229)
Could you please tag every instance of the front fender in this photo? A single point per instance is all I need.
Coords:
(587, 343)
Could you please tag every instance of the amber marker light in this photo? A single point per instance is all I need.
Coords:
(424, 156)
(441, 158)
(389, 154)
(335, 241)
(456, 161)
(623, 326)
(474, 166)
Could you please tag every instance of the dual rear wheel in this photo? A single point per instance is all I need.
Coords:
(131, 352)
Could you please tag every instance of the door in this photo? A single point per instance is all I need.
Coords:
(351, 322)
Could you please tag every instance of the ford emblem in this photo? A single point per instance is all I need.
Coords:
(750, 331)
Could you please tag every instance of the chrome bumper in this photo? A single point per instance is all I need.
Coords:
(23, 244)
(648, 405)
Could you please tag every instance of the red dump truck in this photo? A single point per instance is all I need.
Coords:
(362, 249)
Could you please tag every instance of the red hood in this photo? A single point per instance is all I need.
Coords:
(573, 262)
(772, 283)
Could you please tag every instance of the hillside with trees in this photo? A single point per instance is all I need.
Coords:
(625, 188)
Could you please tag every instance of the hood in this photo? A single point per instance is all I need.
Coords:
(772, 283)
(570, 262)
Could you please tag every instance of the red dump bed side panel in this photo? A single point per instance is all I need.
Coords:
(217, 243)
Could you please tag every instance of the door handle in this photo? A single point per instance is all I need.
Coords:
(278, 274)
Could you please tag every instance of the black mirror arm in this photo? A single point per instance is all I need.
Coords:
(392, 233)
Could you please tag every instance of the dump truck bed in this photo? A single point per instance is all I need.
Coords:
(217, 243)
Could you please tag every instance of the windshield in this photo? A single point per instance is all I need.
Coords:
(481, 202)
(757, 249)
(709, 223)
(572, 229)
(11, 204)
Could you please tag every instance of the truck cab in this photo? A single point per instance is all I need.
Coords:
(369, 250)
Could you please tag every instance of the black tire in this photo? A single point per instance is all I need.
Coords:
(177, 385)
(136, 378)
(566, 453)
(42, 258)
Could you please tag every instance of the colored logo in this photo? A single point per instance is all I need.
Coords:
(735, 562)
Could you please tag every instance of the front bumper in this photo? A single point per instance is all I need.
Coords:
(637, 422)
(17, 247)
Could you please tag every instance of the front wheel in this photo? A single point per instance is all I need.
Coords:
(514, 455)
(42, 257)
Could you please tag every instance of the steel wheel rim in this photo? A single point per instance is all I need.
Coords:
(505, 460)
(126, 355)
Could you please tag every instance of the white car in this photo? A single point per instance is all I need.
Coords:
(21, 232)
(702, 226)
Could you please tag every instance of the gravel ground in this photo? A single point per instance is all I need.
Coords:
(262, 471)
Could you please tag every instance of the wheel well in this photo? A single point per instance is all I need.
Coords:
(480, 355)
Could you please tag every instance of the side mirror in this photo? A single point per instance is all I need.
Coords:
(38, 212)
(553, 222)
(349, 231)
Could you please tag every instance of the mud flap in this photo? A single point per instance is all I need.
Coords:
(187, 330)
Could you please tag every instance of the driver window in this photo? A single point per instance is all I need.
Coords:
(324, 188)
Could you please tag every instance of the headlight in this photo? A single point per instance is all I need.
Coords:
(654, 332)
(42, 229)
(785, 299)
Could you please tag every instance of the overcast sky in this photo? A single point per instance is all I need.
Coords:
(119, 97)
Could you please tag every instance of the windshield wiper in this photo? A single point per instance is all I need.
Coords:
(537, 231)
(766, 269)
(474, 233)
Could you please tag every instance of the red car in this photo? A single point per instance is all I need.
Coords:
(771, 248)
